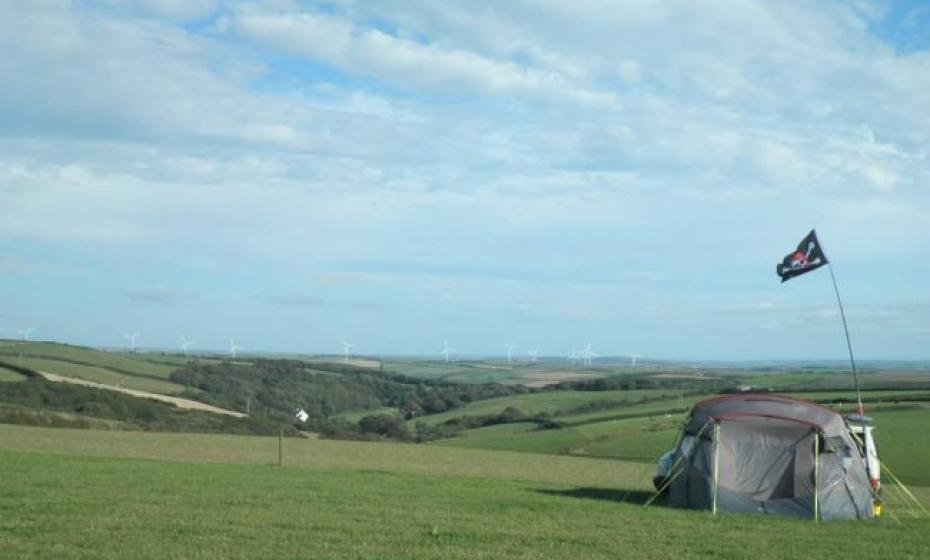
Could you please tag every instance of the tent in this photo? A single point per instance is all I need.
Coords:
(769, 454)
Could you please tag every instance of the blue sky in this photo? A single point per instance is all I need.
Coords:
(287, 174)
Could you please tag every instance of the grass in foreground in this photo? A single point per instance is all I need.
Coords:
(71, 506)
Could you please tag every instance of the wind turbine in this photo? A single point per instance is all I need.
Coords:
(24, 333)
(132, 340)
(633, 358)
(574, 356)
(233, 347)
(534, 353)
(185, 344)
(510, 349)
(587, 354)
(346, 347)
(446, 350)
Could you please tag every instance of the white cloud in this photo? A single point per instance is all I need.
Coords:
(182, 10)
(405, 63)
(548, 143)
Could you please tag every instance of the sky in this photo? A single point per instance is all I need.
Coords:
(399, 174)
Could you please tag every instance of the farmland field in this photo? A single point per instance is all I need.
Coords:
(550, 402)
(463, 372)
(637, 439)
(119, 362)
(101, 375)
(519, 372)
(185, 496)
(7, 375)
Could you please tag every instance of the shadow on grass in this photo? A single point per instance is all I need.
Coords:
(608, 494)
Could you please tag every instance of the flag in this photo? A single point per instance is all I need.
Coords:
(808, 256)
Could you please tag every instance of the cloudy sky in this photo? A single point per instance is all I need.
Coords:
(399, 173)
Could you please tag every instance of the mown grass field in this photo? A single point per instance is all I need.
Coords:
(86, 494)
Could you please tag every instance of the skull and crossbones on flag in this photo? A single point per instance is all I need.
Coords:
(808, 256)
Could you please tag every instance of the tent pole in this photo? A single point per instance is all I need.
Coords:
(716, 463)
(816, 476)
(852, 362)
(675, 465)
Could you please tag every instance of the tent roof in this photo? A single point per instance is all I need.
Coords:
(767, 405)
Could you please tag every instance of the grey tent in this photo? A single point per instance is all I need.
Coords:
(769, 454)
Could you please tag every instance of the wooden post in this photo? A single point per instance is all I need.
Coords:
(281, 447)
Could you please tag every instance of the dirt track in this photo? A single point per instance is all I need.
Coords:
(186, 404)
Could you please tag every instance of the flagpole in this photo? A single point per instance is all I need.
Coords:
(852, 362)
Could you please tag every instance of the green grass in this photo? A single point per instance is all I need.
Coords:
(635, 439)
(532, 441)
(462, 372)
(647, 443)
(549, 402)
(325, 454)
(903, 440)
(8, 375)
(654, 409)
(782, 380)
(130, 363)
(101, 375)
(214, 499)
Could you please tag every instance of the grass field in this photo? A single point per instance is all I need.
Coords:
(101, 375)
(487, 371)
(903, 440)
(88, 494)
(128, 363)
(462, 372)
(7, 375)
(637, 439)
(549, 402)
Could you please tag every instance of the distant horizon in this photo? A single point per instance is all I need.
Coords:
(614, 359)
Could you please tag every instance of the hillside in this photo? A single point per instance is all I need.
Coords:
(134, 371)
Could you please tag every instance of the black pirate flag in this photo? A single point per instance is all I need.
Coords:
(807, 257)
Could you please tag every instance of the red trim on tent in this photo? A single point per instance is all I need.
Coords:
(761, 397)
